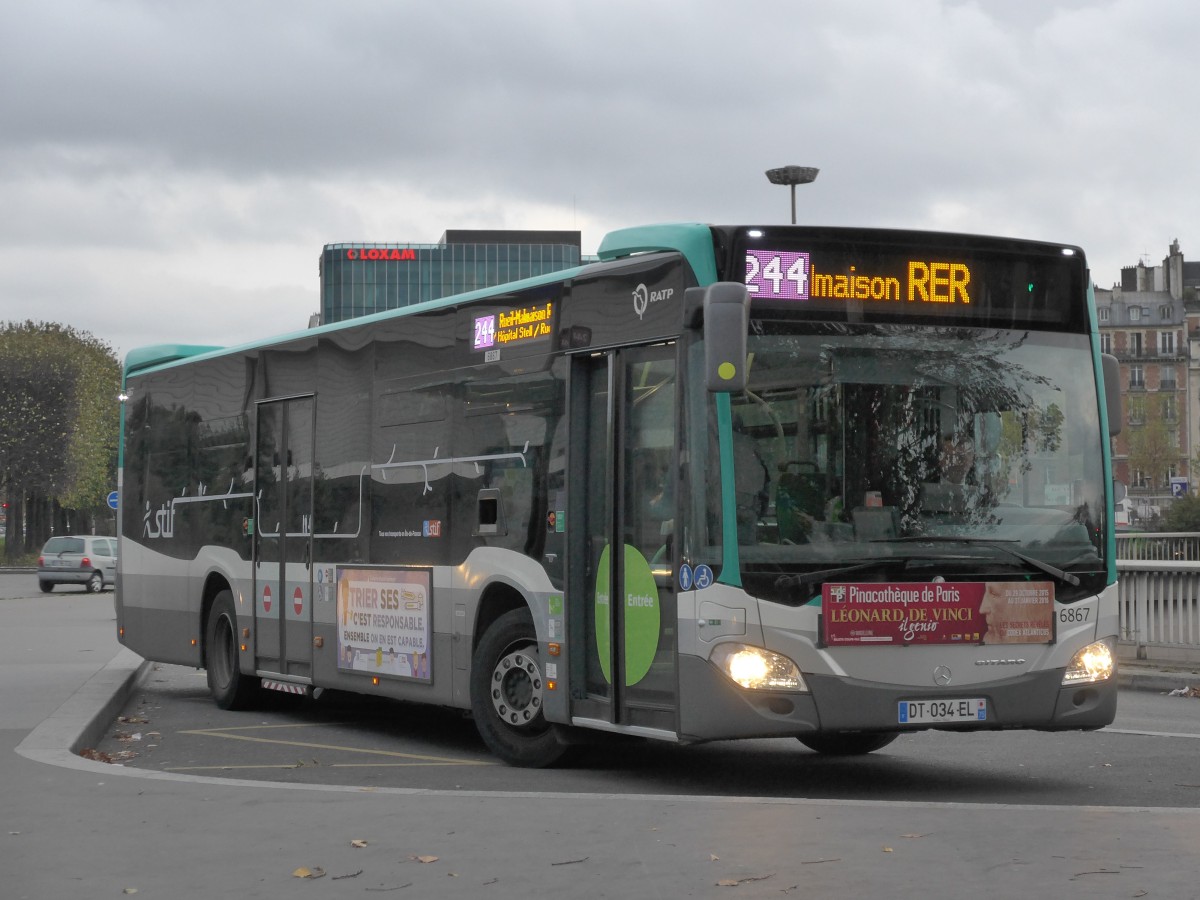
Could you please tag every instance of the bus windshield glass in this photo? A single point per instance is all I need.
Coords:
(894, 442)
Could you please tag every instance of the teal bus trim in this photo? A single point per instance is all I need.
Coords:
(1110, 514)
(692, 239)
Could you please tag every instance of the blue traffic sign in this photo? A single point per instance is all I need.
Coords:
(112, 500)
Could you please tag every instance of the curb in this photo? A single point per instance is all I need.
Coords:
(87, 714)
(1157, 682)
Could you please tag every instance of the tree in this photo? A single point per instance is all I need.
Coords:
(1151, 450)
(60, 415)
(1184, 514)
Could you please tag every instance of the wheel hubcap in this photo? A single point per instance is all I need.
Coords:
(517, 688)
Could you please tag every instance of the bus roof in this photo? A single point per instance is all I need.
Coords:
(693, 240)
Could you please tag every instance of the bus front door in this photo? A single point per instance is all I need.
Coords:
(622, 481)
(283, 609)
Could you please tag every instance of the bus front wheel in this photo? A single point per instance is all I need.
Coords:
(230, 688)
(506, 694)
(847, 743)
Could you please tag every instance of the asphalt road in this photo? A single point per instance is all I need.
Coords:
(80, 828)
(1150, 756)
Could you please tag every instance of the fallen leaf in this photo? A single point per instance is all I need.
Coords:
(734, 882)
(888, 850)
(129, 891)
(425, 859)
(358, 843)
(926, 834)
(305, 872)
(712, 857)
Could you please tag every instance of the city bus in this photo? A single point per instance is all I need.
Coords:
(835, 484)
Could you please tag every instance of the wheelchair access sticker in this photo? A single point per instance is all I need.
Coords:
(698, 578)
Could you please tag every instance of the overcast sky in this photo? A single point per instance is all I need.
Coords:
(170, 169)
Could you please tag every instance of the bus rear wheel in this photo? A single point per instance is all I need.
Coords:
(230, 688)
(506, 694)
(847, 743)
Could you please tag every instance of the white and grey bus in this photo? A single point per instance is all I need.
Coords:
(727, 482)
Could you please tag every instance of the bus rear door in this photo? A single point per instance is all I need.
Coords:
(283, 608)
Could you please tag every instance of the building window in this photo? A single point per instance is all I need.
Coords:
(1135, 344)
(1106, 343)
(1166, 343)
(1166, 378)
(1139, 479)
(1164, 313)
(1135, 314)
(1102, 313)
(1169, 408)
(1137, 378)
(1137, 410)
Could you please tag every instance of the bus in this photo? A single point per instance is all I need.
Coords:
(836, 484)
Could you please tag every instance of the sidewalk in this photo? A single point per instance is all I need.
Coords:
(1162, 678)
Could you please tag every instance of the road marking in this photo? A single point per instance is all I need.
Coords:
(420, 758)
(1174, 734)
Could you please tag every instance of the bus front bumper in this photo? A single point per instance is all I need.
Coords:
(713, 708)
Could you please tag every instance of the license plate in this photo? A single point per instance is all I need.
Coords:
(927, 712)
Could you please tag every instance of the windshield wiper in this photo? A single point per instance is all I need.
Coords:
(813, 579)
(991, 543)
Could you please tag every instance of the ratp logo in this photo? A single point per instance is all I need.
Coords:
(643, 297)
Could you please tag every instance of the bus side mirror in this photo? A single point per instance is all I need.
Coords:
(726, 321)
(1112, 391)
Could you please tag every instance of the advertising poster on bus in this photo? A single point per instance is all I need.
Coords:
(383, 621)
(972, 612)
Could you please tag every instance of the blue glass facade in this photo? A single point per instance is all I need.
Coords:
(360, 279)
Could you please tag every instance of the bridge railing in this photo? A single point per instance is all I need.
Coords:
(1159, 597)
(1159, 546)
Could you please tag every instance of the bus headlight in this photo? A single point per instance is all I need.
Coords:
(757, 669)
(1094, 662)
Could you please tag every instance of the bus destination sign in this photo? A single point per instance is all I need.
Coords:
(515, 326)
(792, 275)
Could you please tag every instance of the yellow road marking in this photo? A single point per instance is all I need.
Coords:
(422, 759)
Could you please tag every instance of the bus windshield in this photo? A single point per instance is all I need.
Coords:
(955, 445)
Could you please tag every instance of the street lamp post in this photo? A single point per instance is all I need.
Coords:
(792, 176)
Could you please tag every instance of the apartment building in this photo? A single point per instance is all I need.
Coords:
(1151, 322)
